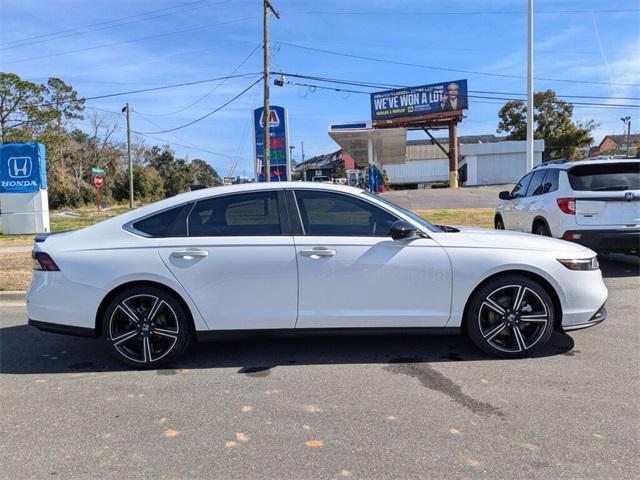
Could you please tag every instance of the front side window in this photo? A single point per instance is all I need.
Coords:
(521, 188)
(335, 214)
(245, 214)
(536, 185)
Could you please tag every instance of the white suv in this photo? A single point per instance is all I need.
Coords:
(594, 202)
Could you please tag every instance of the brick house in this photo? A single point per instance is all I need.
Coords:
(615, 145)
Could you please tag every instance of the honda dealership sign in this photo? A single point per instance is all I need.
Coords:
(278, 143)
(419, 102)
(22, 168)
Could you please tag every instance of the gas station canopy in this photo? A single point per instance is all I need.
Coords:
(367, 145)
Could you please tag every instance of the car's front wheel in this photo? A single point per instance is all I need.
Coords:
(146, 327)
(510, 316)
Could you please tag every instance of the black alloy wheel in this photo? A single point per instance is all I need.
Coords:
(510, 317)
(146, 327)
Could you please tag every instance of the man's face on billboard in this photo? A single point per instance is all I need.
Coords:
(453, 91)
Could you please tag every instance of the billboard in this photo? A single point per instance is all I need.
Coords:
(278, 143)
(422, 101)
(23, 168)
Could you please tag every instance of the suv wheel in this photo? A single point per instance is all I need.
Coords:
(510, 316)
(540, 228)
(146, 327)
(498, 223)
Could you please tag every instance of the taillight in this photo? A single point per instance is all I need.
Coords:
(567, 205)
(42, 261)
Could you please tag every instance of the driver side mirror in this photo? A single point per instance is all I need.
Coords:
(505, 195)
(401, 229)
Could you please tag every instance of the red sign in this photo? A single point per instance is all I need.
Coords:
(98, 180)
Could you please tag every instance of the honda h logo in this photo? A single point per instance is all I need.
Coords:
(19, 167)
(629, 196)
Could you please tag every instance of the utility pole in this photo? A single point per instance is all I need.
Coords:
(530, 145)
(128, 110)
(627, 121)
(265, 80)
(290, 162)
(304, 167)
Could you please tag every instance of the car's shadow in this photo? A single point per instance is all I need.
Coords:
(618, 266)
(26, 350)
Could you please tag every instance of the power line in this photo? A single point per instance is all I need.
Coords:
(135, 40)
(479, 12)
(388, 85)
(445, 69)
(144, 90)
(210, 91)
(206, 115)
(72, 32)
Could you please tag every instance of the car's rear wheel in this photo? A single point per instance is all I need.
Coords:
(498, 223)
(146, 327)
(510, 316)
(540, 228)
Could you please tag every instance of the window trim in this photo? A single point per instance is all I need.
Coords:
(347, 194)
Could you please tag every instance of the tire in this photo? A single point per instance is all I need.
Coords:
(498, 224)
(498, 327)
(540, 228)
(146, 327)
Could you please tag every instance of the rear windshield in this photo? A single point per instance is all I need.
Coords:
(606, 176)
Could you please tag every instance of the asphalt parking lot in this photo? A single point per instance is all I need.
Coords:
(377, 407)
(437, 198)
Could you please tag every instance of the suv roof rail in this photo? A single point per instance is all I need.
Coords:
(550, 162)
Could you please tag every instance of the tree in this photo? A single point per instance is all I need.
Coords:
(20, 108)
(553, 123)
(204, 174)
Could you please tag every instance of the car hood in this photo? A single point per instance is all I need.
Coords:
(471, 237)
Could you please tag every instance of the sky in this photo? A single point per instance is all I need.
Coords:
(582, 47)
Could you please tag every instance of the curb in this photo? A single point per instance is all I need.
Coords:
(13, 297)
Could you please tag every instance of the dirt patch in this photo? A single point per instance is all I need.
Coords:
(15, 271)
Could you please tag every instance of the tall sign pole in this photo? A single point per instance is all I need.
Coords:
(265, 80)
(530, 151)
(128, 110)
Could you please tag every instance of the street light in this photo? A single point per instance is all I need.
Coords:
(627, 121)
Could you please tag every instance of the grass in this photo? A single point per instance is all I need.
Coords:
(16, 268)
(83, 218)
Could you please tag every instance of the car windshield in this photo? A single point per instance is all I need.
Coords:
(412, 215)
(606, 177)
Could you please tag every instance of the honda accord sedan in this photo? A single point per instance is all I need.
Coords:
(302, 258)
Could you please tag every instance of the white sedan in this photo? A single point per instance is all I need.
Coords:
(304, 258)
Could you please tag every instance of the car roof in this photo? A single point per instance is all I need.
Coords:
(564, 165)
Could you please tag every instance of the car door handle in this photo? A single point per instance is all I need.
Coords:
(189, 254)
(318, 252)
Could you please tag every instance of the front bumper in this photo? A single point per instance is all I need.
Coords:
(599, 317)
(621, 241)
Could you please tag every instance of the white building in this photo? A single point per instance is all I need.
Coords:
(484, 159)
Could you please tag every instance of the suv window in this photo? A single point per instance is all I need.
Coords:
(335, 214)
(550, 181)
(536, 185)
(244, 214)
(169, 223)
(605, 176)
(521, 188)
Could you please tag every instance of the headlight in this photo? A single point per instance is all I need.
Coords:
(580, 263)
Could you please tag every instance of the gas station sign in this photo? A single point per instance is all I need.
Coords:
(279, 143)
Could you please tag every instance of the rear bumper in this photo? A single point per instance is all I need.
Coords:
(622, 241)
(63, 329)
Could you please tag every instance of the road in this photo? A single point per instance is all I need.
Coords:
(438, 198)
(365, 408)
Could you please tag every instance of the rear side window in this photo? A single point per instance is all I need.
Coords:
(550, 181)
(169, 223)
(605, 177)
(536, 184)
(245, 214)
(521, 188)
(335, 214)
